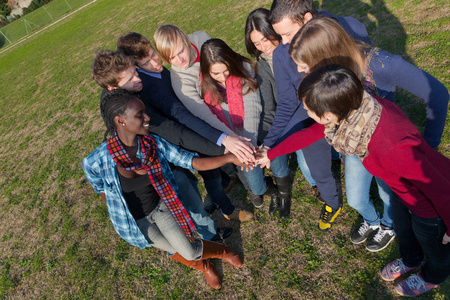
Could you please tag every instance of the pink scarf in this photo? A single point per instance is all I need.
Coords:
(235, 103)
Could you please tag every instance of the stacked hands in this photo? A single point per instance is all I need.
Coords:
(246, 154)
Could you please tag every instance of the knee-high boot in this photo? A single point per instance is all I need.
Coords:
(211, 275)
(272, 191)
(216, 250)
(284, 185)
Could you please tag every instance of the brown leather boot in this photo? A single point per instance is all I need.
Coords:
(212, 277)
(241, 215)
(216, 250)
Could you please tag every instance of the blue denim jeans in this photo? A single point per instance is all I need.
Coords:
(357, 186)
(192, 201)
(304, 168)
(334, 154)
(163, 232)
(214, 187)
(418, 236)
(256, 180)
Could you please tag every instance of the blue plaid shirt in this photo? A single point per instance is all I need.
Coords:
(100, 170)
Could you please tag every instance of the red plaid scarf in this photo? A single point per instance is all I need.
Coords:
(151, 163)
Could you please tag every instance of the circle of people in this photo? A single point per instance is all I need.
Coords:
(319, 89)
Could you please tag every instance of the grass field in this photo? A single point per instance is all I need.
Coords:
(56, 239)
(35, 20)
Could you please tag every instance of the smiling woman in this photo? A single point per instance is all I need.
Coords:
(229, 88)
(260, 41)
(132, 174)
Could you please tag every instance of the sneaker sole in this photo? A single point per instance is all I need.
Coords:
(324, 230)
(389, 280)
(412, 295)
(357, 243)
(376, 250)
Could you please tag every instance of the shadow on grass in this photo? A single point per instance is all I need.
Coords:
(385, 30)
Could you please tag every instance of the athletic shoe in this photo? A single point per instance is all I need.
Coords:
(222, 233)
(395, 269)
(414, 285)
(377, 242)
(210, 208)
(361, 233)
(256, 200)
(327, 217)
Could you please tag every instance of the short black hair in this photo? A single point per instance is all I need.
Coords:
(295, 10)
(332, 88)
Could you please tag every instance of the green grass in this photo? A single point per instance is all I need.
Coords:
(56, 238)
(37, 19)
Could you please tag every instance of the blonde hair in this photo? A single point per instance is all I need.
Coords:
(166, 38)
(322, 41)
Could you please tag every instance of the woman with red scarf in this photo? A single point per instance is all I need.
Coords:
(131, 172)
(230, 90)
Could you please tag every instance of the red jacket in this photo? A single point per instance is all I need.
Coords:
(399, 155)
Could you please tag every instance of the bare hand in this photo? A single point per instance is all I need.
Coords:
(241, 147)
(237, 162)
(262, 159)
(445, 239)
(246, 168)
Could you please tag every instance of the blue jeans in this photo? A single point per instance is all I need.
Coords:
(417, 236)
(304, 168)
(163, 232)
(334, 154)
(192, 201)
(256, 180)
(214, 187)
(357, 186)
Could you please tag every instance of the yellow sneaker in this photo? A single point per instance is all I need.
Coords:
(327, 217)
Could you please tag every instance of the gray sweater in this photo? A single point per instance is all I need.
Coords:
(187, 87)
(268, 92)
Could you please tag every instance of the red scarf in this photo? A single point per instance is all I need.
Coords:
(150, 162)
(235, 103)
(198, 54)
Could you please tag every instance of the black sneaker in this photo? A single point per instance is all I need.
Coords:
(210, 208)
(361, 233)
(256, 199)
(381, 239)
(222, 233)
